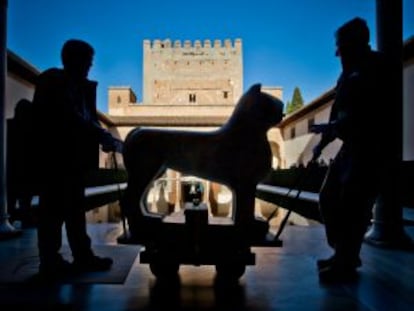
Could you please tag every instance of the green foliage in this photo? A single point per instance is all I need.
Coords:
(296, 103)
(287, 106)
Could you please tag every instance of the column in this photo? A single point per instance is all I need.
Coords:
(387, 225)
(6, 229)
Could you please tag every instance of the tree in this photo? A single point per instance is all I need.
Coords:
(296, 103)
(287, 107)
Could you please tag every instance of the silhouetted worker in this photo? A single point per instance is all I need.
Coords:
(68, 138)
(358, 118)
(19, 149)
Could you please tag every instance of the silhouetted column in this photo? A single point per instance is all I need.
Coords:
(6, 230)
(387, 225)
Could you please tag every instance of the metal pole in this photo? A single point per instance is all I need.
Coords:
(387, 225)
(6, 229)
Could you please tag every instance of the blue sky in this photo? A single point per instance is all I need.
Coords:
(285, 43)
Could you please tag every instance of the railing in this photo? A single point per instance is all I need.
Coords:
(282, 189)
(295, 189)
(289, 193)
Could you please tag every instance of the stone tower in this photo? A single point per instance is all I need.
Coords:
(193, 73)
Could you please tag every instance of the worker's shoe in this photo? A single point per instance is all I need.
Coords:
(337, 273)
(92, 264)
(324, 263)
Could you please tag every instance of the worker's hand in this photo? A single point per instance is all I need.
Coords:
(320, 128)
(112, 145)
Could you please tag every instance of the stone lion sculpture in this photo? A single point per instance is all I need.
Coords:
(237, 155)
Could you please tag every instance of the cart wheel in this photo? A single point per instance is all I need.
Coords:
(230, 271)
(164, 270)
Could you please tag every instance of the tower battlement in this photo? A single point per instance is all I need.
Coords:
(199, 72)
(158, 44)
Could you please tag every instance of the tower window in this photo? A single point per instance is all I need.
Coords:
(118, 99)
(226, 94)
(192, 98)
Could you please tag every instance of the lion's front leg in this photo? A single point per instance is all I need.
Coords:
(141, 223)
(251, 228)
(130, 208)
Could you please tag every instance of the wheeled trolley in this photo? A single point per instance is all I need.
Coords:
(193, 237)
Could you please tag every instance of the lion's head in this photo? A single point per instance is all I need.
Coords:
(257, 109)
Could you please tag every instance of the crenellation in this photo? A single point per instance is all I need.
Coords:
(156, 44)
(167, 43)
(207, 44)
(238, 44)
(146, 45)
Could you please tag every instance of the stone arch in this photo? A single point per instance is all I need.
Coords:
(276, 144)
(276, 155)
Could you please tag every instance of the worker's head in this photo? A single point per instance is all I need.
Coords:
(352, 39)
(77, 57)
